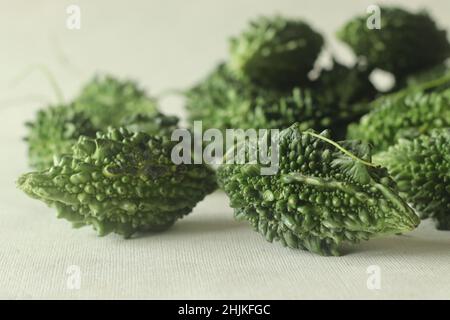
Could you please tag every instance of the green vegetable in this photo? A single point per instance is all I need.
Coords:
(108, 101)
(324, 194)
(346, 92)
(53, 133)
(421, 168)
(345, 86)
(406, 43)
(275, 52)
(153, 124)
(223, 101)
(402, 116)
(120, 182)
(103, 102)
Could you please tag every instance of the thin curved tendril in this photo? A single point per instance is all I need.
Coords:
(51, 79)
(351, 155)
(435, 82)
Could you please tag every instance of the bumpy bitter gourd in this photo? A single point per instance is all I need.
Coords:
(223, 101)
(108, 101)
(344, 86)
(120, 182)
(421, 168)
(346, 93)
(53, 133)
(321, 196)
(405, 43)
(275, 51)
(105, 101)
(402, 116)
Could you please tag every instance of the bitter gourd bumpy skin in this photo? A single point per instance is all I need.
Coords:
(53, 132)
(275, 51)
(402, 116)
(107, 101)
(346, 92)
(120, 182)
(405, 43)
(223, 101)
(321, 196)
(344, 86)
(337, 98)
(421, 168)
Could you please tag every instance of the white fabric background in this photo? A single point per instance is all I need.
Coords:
(171, 44)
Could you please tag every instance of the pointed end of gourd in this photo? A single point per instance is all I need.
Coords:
(29, 183)
(402, 222)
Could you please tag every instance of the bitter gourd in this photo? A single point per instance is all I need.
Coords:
(275, 51)
(405, 43)
(337, 98)
(120, 182)
(105, 101)
(108, 101)
(402, 116)
(346, 93)
(223, 101)
(53, 133)
(321, 196)
(421, 168)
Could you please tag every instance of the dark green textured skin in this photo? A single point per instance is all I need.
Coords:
(346, 91)
(53, 132)
(320, 197)
(56, 129)
(223, 101)
(109, 101)
(344, 85)
(406, 43)
(421, 168)
(120, 182)
(402, 116)
(275, 52)
(104, 102)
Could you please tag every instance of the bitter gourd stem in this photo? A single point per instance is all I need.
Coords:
(351, 155)
(434, 83)
(420, 87)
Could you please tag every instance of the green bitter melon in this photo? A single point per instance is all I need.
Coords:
(120, 182)
(421, 168)
(322, 195)
(275, 51)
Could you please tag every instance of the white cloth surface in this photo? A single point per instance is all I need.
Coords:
(204, 256)
(171, 44)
